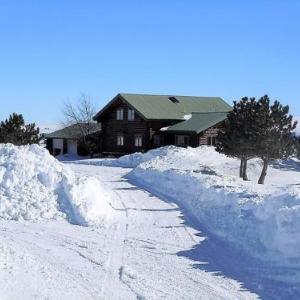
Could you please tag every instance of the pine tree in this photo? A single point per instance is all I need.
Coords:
(297, 146)
(14, 130)
(237, 137)
(274, 137)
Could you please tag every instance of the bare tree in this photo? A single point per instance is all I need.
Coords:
(81, 114)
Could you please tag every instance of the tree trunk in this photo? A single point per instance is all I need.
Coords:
(263, 172)
(241, 168)
(245, 176)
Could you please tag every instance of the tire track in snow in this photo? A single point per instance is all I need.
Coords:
(115, 260)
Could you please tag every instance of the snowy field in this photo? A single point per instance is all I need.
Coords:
(169, 224)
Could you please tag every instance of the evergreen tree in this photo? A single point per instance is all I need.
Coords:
(237, 137)
(297, 146)
(274, 137)
(14, 130)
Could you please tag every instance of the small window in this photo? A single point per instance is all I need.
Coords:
(156, 140)
(138, 141)
(214, 141)
(120, 140)
(211, 140)
(130, 114)
(120, 114)
(182, 140)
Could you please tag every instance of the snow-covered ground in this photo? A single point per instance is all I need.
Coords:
(163, 234)
(261, 219)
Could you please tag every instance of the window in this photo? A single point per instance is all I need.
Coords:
(120, 114)
(138, 141)
(130, 114)
(156, 140)
(182, 140)
(214, 141)
(211, 140)
(120, 140)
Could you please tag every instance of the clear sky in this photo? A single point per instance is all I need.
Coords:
(52, 50)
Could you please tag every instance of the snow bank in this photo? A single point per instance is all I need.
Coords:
(34, 185)
(127, 161)
(263, 220)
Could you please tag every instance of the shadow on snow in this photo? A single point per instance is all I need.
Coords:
(222, 259)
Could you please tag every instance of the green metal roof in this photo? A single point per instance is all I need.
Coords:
(199, 122)
(72, 131)
(161, 107)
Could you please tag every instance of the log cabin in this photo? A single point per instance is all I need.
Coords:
(139, 122)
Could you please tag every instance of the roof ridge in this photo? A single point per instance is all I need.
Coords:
(170, 95)
(209, 112)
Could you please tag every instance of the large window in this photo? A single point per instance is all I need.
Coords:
(130, 114)
(182, 140)
(120, 113)
(138, 141)
(211, 140)
(120, 140)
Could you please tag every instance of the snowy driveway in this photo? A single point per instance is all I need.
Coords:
(143, 245)
(135, 257)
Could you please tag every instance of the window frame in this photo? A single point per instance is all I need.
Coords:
(130, 114)
(185, 142)
(138, 138)
(120, 114)
(120, 140)
(211, 140)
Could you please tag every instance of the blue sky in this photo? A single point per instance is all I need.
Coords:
(53, 50)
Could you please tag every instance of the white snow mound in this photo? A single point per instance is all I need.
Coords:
(264, 220)
(34, 185)
(128, 161)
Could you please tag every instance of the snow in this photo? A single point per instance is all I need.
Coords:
(164, 128)
(139, 255)
(34, 186)
(262, 220)
(177, 216)
(187, 117)
(128, 161)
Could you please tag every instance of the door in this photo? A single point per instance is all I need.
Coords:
(72, 147)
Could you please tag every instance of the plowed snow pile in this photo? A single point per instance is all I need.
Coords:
(34, 185)
(263, 220)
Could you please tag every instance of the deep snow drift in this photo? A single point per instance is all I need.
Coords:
(263, 220)
(34, 185)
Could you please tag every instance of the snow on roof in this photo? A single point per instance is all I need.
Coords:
(187, 117)
(164, 128)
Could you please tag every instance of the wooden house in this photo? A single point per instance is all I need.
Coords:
(138, 122)
(68, 140)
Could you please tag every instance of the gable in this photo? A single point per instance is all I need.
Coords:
(167, 107)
